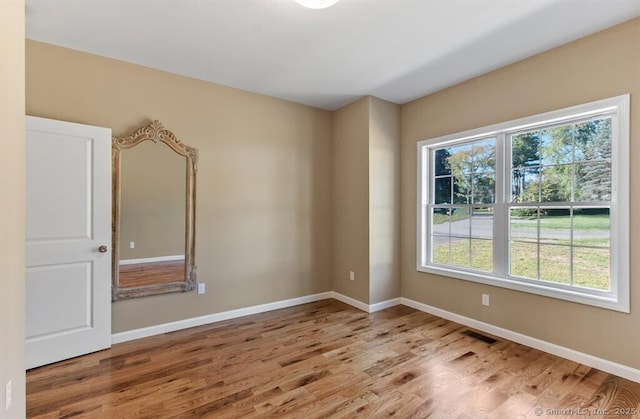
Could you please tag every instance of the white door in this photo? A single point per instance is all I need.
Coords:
(68, 274)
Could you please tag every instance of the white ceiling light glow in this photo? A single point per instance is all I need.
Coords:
(316, 4)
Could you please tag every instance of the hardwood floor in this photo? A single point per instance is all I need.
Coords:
(326, 359)
(154, 273)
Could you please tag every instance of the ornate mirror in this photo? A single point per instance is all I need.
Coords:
(154, 195)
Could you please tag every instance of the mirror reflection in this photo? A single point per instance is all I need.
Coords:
(153, 213)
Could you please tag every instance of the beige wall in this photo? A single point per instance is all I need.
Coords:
(365, 199)
(153, 181)
(350, 200)
(12, 211)
(288, 195)
(384, 200)
(263, 197)
(599, 66)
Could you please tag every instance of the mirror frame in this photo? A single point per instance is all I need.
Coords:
(158, 134)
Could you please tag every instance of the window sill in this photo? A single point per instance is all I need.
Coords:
(610, 302)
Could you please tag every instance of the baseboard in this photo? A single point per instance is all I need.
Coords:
(216, 317)
(351, 301)
(232, 314)
(152, 260)
(369, 308)
(384, 304)
(561, 351)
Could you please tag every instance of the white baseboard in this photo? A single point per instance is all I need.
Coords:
(369, 308)
(152, 260)
(216, 317)
(561, 351)
(384, 304)
(232, 314)
(351, 301)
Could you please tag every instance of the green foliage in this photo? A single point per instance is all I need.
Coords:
(563, 164)
(442, 187)
(467, 173)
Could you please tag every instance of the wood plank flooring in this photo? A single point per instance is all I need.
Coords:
(154, 273)
(326, 360)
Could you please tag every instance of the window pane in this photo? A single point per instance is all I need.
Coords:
(593, 140)
(556, 183)
(482, 255)
(441, 162)
(525, 149)
(461, 222)
(484, 187)
(524, 260)
(462, 189)
(440, 221)
(525, 185)
(591, 268)
(460, 252)
(556, 145)
(555, 263)
(461, 159)
(593, 181)
(484, 155)
(442, 190)
(523, 224)
(555, 226)
(482, 223)
(440, 246)
(591, 227)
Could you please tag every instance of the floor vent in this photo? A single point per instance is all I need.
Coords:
(479, 336)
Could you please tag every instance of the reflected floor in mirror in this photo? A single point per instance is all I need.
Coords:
(154, 273)
(326, 360)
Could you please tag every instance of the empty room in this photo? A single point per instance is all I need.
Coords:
(319, 208)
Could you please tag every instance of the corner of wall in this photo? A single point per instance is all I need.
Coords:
(384, 200)
(365, 200)
(12, 133)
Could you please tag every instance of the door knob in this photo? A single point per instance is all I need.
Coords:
(103, 249)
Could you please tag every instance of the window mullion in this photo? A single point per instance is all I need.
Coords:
(500, 210)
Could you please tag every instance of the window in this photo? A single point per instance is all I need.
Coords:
(538, 204)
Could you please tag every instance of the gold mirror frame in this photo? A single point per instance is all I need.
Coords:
(158, 134)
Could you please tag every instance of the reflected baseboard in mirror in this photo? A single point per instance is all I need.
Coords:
(151, 273)
(153, 213)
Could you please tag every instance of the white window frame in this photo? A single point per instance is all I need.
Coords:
(618, 297)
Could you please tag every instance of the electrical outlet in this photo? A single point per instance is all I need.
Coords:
(485, 299)
(132, 245)
(7, 396)
(201, 288)
(352, 275)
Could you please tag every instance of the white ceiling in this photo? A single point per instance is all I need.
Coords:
(397, 50)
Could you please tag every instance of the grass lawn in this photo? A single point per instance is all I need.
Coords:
(590, 266)
(562, 222)
(456, 216)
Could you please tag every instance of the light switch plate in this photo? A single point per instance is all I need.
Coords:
(7, 396)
